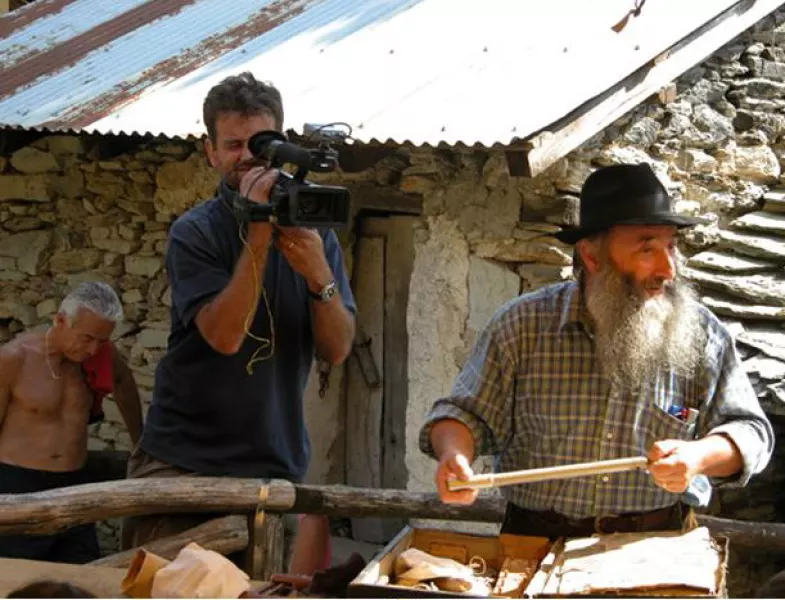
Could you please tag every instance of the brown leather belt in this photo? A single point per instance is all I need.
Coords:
(550, 523)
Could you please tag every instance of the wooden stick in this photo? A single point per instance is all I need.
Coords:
(548, 473)
(223, 535)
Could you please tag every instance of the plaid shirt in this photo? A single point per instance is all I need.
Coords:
(533, 396)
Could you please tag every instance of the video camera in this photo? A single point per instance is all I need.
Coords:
(295, 202)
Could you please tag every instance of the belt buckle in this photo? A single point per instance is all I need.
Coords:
(598, 523)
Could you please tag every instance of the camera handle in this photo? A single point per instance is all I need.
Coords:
(248, 210)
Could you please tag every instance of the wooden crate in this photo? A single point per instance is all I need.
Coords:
(444, 544)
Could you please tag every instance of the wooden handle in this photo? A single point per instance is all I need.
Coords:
(548, 473)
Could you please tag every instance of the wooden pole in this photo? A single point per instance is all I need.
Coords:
(751, 534)
(223, 535)
(55, 510)
(344, 501)
(52, 511)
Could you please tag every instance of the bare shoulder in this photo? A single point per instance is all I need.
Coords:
(12, 355)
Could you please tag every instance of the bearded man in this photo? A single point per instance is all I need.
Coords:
(621, 362)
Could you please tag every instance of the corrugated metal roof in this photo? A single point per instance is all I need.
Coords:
(423, 71)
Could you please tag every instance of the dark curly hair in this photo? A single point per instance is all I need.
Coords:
(242, 94)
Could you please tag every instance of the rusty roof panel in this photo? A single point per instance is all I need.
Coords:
(422, 71)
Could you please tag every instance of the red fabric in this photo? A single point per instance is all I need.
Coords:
(99, 376)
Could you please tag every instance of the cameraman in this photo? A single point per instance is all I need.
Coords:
(251, 303)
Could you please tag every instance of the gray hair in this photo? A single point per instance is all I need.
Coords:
(95, 296)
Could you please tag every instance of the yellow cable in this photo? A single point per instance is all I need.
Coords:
(265, 342)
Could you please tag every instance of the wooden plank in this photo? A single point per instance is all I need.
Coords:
(364, 405)
(223, 535)
(581, 124)
(265, 554)
(399, 261)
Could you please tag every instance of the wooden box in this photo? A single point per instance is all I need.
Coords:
(374, 580)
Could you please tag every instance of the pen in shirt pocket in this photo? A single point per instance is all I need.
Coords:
(688, 415)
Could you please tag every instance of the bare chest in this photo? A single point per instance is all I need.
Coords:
(38, 392)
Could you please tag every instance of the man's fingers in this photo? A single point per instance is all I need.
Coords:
(461, 467)
(256, 183)
(457, 496)
(297, 232)
(661, 449)
(674, 486)
(663, 465)
(455, 467)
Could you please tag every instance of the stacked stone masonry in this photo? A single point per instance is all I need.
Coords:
(79, 207)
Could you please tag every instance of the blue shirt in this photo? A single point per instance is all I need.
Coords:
(208, 415)
(533, 395)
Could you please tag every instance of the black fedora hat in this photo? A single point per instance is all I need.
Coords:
(623, 195)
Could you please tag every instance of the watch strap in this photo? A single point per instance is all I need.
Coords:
(327, 292)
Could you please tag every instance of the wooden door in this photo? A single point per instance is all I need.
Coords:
(377, 389)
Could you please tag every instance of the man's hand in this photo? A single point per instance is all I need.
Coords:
(256, 185)
(674, 463)
(454, 465)
(303, 249)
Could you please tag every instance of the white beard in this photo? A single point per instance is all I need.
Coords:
(636, 335)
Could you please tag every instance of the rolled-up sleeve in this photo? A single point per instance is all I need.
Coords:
(482, 395)
(735, 412)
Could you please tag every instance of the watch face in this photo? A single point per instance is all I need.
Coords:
(329, 292)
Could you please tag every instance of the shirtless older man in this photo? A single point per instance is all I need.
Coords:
(51, 386)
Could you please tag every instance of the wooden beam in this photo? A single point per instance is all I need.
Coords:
(364, 408)
(58, 509)
(398, 266)
(52, 511)
(544, 149)
(223, 535)
(345, 501)
(750, 534)
(383, 198)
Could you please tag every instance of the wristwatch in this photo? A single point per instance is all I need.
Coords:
(325, 293)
